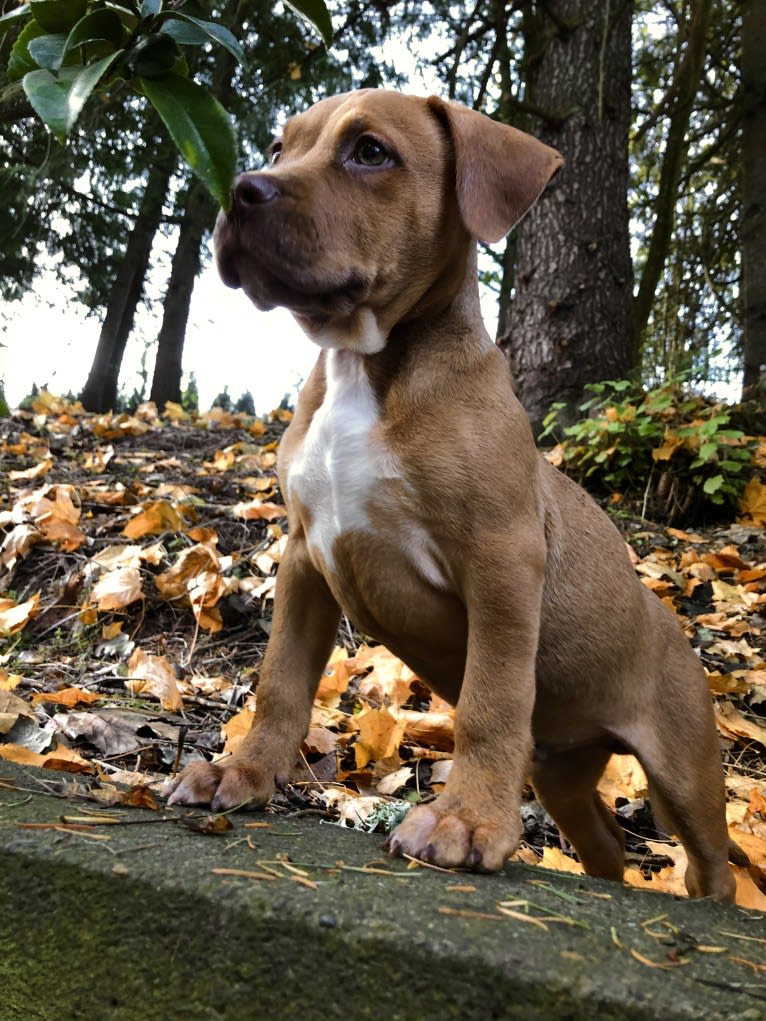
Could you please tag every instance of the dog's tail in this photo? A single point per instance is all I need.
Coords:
(739, 857)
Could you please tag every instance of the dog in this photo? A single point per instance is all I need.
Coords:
(419, 505)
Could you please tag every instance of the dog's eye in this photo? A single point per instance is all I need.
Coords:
(275, 152)
(370, 153)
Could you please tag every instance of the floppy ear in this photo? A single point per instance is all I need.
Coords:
(500, 171)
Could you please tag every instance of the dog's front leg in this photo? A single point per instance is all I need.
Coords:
(304, 627)
(475, 822)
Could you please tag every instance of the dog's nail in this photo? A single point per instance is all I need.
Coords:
(428, 854)
(475, 858)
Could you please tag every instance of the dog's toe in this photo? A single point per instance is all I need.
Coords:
(223, 787)
(450, 840)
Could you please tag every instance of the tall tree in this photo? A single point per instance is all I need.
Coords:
(198, 216)
(754, 193)
(570, 319)
(688, 71)
(100, 390)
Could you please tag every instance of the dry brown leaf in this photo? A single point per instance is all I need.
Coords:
(14, 616)
(239, 725)
(254, 509)
(320, 740)
(433, 728)
(156, 675)
(748, 895)
(9, 681)
(155, 519)
(752, 503)
(732, 723)
(68, 697)
(389, 680)
(335, 679)
(37, 471)
(62, 758)
(114, 556)
(623, 778)
(11, 707)
(18, 543)
(380, 734)
(117, 588)
(554, 858)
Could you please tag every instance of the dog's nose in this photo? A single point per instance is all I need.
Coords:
(254, 190)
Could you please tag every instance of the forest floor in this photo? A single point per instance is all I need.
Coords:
(137, 571)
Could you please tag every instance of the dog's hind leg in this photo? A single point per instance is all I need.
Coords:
(565, 783)
(677, 744)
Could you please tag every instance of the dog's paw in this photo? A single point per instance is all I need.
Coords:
(451, 839)
(222, 786)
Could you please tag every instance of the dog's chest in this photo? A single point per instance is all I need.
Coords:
(343, 467)
(345, 479)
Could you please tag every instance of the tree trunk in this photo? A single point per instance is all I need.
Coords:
(754, 193)
(198, 217)
(570, 320)
(100, 391)
(685, 87)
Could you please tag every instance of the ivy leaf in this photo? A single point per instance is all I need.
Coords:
(713, 484)
(58, 99)
(316, 14)
(201, 129)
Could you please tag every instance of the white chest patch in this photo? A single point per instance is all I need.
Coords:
(342, 461)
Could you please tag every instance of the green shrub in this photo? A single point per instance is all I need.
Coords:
(673, 449)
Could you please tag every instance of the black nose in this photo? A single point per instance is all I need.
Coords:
(254, 190)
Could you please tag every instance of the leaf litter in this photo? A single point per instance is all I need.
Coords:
(138, 555)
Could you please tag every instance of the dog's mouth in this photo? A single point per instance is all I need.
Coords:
(269, 279)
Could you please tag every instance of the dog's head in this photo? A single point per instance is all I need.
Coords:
(365, 215)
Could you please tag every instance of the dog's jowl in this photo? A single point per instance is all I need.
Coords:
(518, 605)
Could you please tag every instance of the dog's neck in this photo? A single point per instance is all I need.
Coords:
(447, 310)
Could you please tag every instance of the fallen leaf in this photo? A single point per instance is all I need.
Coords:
(156, 675)
(256, 508)
(68, 697)
(118, 588)
(15, 616)
(554, 858)
(733, 724)
(237, 726)
(11, 707)
(380, 734)
(752, 503)
(155, 519)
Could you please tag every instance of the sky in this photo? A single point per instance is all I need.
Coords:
(50, 340)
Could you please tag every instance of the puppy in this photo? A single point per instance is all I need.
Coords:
(419, 506)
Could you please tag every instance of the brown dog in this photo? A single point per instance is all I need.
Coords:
(518, 604)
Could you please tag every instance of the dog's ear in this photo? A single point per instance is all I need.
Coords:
(500, 171)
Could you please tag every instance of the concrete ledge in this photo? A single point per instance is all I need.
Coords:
(138, 927)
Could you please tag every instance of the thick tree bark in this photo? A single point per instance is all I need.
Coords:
(198, 218)
(100, 391)
(570, 320)
(754, 193)
(685, 87)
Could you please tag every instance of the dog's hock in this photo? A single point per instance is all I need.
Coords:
(500, 171)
